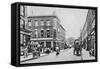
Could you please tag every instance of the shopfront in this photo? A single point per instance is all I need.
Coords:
(93, 42)
(24, 38)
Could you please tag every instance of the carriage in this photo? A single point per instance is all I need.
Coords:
(77, 47)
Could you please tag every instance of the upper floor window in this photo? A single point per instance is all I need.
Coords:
(42, 33)
(36, 33)
(54, 35)
(36, 23)
(42, 22)
(48, 23)
(21, 23)
(22, 10)
(55, 23)
(29, 23)
(21, 38)
(48, 33)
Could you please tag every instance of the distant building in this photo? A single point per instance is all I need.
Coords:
(46, 30)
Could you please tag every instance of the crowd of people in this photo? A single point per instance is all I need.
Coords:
(35, 48)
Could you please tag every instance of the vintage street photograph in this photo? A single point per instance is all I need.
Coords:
(53, 34)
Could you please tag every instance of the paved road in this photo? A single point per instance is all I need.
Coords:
(65, 55)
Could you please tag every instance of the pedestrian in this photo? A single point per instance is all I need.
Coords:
(75, 46)
(38, 50)
(57, 51)
(26, 51)
(91, 52)
(80, 48)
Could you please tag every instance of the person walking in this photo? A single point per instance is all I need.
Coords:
(75, 47)
(80, 48)
(57, 51)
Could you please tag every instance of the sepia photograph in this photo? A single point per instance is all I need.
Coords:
(53, 34)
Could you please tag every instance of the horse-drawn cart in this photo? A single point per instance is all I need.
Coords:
(35, 47)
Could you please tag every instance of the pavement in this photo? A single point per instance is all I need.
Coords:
(65, 55)
(86, 56)
(30, 57)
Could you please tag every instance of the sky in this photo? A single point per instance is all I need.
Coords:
(72, 19)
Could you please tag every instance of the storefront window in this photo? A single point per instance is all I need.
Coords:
(55, 23)
(48, 44)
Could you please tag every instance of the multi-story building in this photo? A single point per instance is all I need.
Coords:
(24, 33)
(46, 30)
(84, 35)
(88, 32)
(91, 31)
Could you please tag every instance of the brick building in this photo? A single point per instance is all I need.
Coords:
(46, 30)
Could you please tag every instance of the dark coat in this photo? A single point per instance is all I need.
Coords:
(76, 46)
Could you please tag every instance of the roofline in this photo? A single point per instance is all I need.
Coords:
(62, 27)
(41, 16)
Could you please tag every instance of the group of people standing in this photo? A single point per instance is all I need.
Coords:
(34, 48)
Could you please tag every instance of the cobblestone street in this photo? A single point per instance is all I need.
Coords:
(65, 55)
